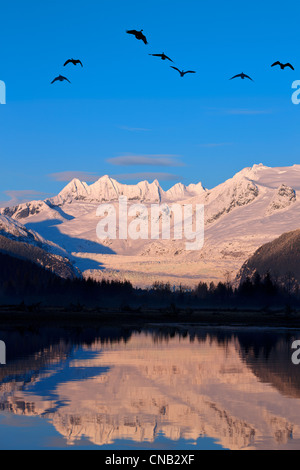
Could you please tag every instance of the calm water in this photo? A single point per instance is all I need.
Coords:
(166, 388)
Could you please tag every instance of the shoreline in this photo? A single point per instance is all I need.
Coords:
(60, 316)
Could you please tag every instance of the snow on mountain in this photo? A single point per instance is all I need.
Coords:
(15, 230)
(177, 192)
(236, 192)
(250, 209)
(196, 189)
(26, 209)
(34, 208)
(180, 192)
(107, 189)
(74, 191)
(21, 242)
(282, 199)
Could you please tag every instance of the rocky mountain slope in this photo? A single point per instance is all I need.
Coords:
(281, 258)
(18, 241)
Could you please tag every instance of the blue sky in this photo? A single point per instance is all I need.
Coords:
(130, 115)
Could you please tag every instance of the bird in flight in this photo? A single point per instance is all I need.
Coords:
(182, 72)
(163, 56)
(138, 34)
(73, 61)
(242, 76)
(60, 78)
(283, 66)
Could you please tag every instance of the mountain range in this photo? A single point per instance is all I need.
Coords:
(253, 208)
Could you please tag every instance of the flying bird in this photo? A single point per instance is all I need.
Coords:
(138, 34)
(73, 61)
(283, 66)
(163, 56)
(60, 78)
(182, 72)
(242, 76)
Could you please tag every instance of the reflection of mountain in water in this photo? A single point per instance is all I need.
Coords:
(239, 389)
(270, 360)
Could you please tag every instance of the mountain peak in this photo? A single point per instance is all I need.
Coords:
(260, 165)
(76, 190)
(251, 172)
(105, 178)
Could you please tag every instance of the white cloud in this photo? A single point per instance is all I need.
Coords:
(149, 176)
(19, 197)
(67, 176)
(213, 145)
(134, 129)
(150, 160)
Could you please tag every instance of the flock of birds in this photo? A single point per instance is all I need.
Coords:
(61, 78)
(139, 35)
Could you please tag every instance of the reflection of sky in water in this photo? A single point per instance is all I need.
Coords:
(36, 433)
(64, 373)
(153, 391)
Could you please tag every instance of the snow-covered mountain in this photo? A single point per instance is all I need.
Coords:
(16, 240)
(254, 207)
(29, 209)
(14, 230)
(107, 189)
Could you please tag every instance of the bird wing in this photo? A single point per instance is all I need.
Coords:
(68, 62)
(65, 78)
(175, 68)
(79, 62)
(54, 80)
(144, 38)
(168, 58)
(236, 76)
(156, 55)
(189, 71)
(276, 63)
(247, 76)
(132, 31)
(289, 65)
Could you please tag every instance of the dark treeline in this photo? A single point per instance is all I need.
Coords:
(23, 281)
(256, 292)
